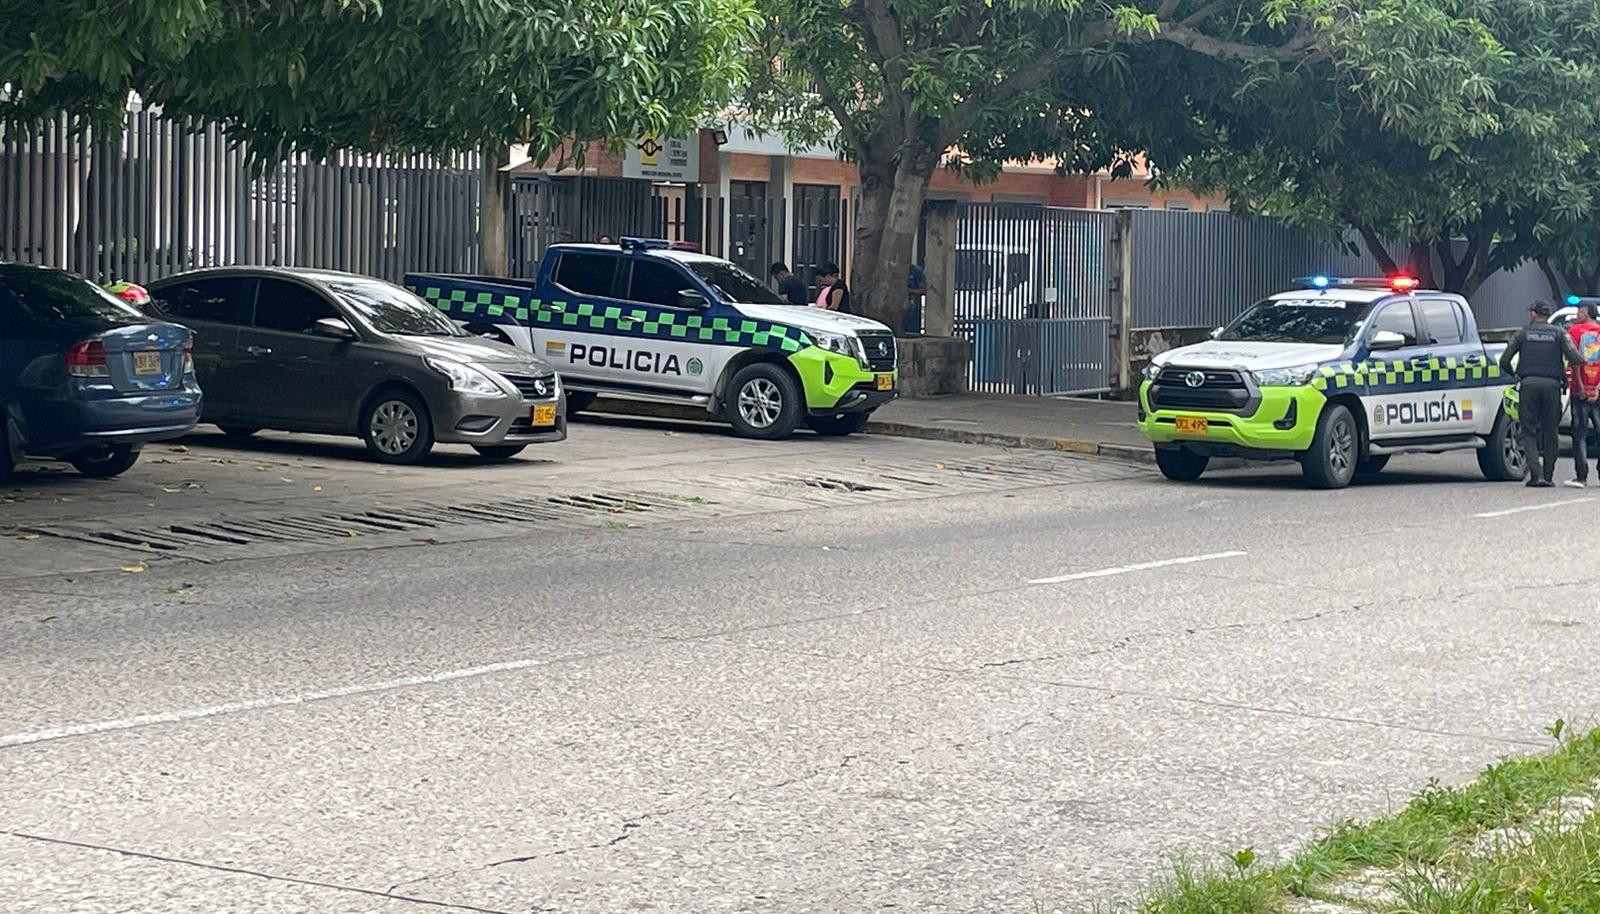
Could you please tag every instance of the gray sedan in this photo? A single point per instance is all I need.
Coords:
(320, 351)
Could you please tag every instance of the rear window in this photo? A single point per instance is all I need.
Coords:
(54, 297)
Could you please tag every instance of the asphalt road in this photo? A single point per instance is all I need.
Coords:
(988, 682)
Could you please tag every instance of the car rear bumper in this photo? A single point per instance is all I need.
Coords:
(77, 424)
(497, 421)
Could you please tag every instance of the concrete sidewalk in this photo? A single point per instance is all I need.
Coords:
(1083, 426)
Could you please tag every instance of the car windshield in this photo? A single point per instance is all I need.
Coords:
(1299, 320)
(53, 296)
(391, 309)
(734, 284)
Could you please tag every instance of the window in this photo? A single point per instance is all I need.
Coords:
(1177, 207)
(1298, 320)
(222, 301)
(291, 307)
(1442, 319)
(1397, 317)
(391, 309)
(734, 284)
(1018, 270)
(656, 283)
(588, 273)
(54, 297)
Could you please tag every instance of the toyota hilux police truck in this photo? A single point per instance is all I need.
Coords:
(646, 320)
(1339, 375)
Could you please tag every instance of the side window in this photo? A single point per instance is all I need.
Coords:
(588, 273)
(1442, 318)
(222, 301)
(283, 305)
(656, 283)
(1397, 317)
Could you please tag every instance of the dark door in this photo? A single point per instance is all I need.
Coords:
(298, 380)
(747, 226)
(216, 309)
(817, 212)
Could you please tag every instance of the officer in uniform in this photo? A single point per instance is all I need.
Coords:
(1542, 351)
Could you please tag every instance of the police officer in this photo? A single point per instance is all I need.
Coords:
(1542, 352)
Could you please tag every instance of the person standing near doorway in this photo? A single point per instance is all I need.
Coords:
(1541, 353)
(835, 295)
(1584, 390)
(790, 286)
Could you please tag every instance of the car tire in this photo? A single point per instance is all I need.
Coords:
(839, 426)
(578, 401)
(104, 462)
(1335, 449)
(499, 451)
(1372, 464)
(764, 401)
(1181, 464)
(396, 427)
(238, 432)
(1502, 460)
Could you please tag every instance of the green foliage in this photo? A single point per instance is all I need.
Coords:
(423, 75)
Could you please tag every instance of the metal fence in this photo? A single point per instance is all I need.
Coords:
(166, 195)
(1204, 269)
(1033, 294)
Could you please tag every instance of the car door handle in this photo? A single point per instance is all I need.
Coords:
(626, 322)
(1418, 361)
(258, 350)
(1475, 360)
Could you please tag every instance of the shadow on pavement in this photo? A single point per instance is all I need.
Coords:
(351, 452)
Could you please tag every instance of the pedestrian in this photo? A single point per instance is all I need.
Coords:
(1540, 352)
(916, 287)
(835, 295)
(604, 239)
(1585, 390)
(790, 286)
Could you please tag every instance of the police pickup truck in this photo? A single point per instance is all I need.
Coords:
(647, 321)
(1339, 375)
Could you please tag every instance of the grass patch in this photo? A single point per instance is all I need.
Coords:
(1423, 852)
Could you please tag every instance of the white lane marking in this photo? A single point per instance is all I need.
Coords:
(1142, 566)
(12, 740)
(1538, 507)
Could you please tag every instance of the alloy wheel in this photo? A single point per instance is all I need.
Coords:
(760, 403)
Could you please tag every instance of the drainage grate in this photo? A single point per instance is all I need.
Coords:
(191, 537)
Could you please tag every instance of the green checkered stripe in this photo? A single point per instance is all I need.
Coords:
(498, 307)
(1401, 374)
(615, 320)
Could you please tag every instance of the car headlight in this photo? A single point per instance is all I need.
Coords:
(1152, 371)
(838, 342)
(466, 379)
(1298, 376)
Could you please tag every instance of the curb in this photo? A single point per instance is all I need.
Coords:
(1028, 442)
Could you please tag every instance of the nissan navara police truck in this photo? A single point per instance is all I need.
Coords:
(646, 320)
(1339, 375)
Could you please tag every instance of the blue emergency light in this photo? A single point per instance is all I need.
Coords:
(1574, 300)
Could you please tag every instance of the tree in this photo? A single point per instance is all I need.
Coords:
(430, 76)
(1458, 150)
(913, 85)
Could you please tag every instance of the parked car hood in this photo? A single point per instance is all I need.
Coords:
(807, 318)
(1248, 356)
(476, 349)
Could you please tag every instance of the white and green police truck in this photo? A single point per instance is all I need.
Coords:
(1339, 375)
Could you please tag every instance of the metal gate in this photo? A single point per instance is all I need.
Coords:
(747, 226)
(820, 221)
(1033, 294)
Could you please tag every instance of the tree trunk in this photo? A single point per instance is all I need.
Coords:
(886, 232)
(492, 212)
(1550, 277)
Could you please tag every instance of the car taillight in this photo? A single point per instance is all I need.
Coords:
(88, 360)
(188, 356)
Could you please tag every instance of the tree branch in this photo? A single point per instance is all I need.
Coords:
(1187, 36)
(841, 113)
(891, 45)
(1376, 248)
(965, 113)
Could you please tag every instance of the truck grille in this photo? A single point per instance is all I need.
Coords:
(542, 387)
(880, 350)
(1219, 389)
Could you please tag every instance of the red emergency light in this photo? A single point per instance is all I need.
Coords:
(1402, 283)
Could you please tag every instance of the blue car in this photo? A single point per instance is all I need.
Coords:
(84, 376)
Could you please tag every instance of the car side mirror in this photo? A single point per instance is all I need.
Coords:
(1215, 332)
(689, 298)
(1386, 340)
(334, 328)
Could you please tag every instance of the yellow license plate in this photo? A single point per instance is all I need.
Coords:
(1192, 425)
(147, 363)
(886, 382)
(544, 415)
